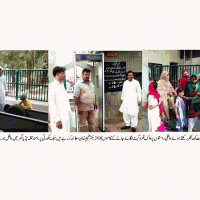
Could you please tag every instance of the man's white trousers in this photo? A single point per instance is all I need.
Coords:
(191, 123)
(131, 120)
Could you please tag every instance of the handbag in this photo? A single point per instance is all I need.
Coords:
(161, 128)
(171, 103)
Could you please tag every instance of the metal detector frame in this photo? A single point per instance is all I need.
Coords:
(92, 58)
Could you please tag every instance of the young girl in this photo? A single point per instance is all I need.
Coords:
(154, 107)
(180, 109)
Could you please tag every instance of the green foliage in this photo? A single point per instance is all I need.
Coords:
(28, 59)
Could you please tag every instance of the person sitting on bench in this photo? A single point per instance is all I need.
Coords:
(25, 103)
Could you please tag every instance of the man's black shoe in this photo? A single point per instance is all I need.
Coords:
(133, 129)
(125, 127)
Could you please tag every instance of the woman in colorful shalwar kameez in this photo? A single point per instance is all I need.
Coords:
(167, 92)
(193, 90)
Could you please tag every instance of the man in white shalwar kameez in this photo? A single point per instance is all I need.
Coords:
(131, 100)
(3, 89)
(59, 106)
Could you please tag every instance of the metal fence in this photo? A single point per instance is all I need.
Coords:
(175, 72)
(34, 83)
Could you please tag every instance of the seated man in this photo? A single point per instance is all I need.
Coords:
(15, 109)
(25, 103)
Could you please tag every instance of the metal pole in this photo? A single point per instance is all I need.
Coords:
(191, 56)
(75, 81)
(103, 91)
(184, 57)
(17, 83)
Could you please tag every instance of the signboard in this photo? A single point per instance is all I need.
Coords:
(88, 57)
(112, 54)
(114, 76)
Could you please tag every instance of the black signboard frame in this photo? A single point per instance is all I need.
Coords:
(114, 76)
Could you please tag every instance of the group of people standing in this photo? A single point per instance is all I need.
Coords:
(163, 101)
(61, 117)
(86, 102)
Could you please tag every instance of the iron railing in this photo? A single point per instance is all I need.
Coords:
(33, 82)
(175, 72)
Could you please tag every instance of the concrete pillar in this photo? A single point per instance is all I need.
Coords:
(145, 76)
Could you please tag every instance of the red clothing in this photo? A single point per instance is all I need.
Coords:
(184, 80)
(156, 95)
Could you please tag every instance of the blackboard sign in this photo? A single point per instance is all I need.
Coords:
(114, 76)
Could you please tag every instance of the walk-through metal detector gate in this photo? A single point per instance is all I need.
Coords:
(98, 59)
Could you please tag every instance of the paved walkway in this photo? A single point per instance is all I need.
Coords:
(116, 126)
(37, 105)
(142, 124)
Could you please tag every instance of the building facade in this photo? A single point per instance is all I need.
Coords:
(173, 61)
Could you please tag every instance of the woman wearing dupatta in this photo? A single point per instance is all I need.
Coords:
(166, 91)
(193, 90)
(154, 107)
(184, 79)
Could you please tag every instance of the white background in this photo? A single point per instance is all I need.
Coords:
(97, 169)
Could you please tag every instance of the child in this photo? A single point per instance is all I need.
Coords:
(25, 103)
(180, 109)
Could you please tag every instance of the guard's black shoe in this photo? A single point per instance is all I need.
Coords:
(125, 127)
(133, 129)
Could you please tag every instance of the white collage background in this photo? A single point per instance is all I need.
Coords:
(98, 169)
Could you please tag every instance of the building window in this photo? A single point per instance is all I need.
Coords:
(154, 71)
(189, 54)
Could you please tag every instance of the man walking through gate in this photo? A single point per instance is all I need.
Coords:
(85, 99)
(131, 100)
(59, 107)
(3, 89)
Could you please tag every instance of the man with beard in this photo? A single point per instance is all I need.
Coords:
(85, 99)
(130, 100)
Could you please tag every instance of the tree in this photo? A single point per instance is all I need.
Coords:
(27, 59)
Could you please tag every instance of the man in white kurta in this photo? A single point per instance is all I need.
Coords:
(3, 89)
(131, 100)
(59, 106)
